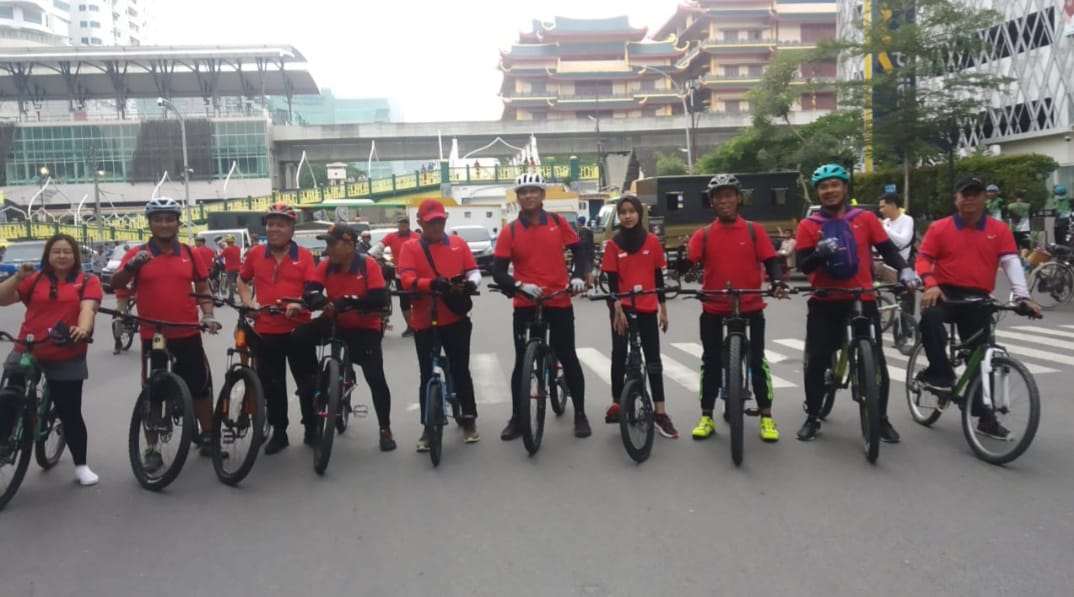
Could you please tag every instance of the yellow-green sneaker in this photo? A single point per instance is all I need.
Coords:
(769, 432)
(705, 427)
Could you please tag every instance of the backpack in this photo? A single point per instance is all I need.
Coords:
(843, 264)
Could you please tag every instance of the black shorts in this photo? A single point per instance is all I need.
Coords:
(190, 364)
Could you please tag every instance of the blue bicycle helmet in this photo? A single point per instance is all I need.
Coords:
(1060, 190)
(828, 171)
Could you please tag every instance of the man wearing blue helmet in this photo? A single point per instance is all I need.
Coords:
(834, 248)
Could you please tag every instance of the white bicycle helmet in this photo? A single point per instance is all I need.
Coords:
(160, 205)
(721, 181)
(529, 179)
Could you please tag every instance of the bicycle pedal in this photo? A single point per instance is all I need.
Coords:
(753, 412)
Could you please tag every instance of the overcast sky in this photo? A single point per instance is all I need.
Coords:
(436, 59)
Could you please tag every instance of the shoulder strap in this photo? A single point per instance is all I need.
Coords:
(33, 286)
(429, 256)
(852, 213)
(705, 243)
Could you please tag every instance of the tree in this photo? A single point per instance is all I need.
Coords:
(670, 165)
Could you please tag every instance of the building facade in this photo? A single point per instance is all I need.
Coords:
(327, 109)
(73, 22)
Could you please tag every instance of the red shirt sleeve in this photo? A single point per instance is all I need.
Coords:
(1007, 245)
(128, 256)
(694, 249)
(201, 269)
(660, 259)
(569, 236)
(406, 264)
(24, 287)
(92, 291)
(763, 247)
(877, 234)
(503, 243)
(373, 275)
(806, 236)
(246, 272)
(610, 263)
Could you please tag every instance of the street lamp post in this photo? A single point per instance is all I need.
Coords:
(685, 114)
(97, 174)
(168, 105)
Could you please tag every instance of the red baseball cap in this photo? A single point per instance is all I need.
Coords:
(430, 210)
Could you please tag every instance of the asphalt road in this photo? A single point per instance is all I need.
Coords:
(580, 518)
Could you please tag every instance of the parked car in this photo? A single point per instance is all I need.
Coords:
(307, 239)
(480, 242)
(113, 265)
(19, 253)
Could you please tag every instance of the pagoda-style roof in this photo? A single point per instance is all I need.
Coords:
(672, 25)
(568, 28)
(664, 49)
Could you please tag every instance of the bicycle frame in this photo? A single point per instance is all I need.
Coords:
(978, 362)
(30, 372)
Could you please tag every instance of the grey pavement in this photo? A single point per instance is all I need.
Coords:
(580, 518)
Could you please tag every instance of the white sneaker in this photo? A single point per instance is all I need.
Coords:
(85, 476)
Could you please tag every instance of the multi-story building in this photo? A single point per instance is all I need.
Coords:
(40, 23)
(73, 22)
(728, 45)
(577, 68)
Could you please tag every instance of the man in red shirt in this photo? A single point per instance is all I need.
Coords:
(204, 252)
(232, 256)
(277, 270)
(395, 242)
(730, 252)
(163, 273)
(958, 260)
(824, 259)
(535, 244)
(442, 264)
(348, 278)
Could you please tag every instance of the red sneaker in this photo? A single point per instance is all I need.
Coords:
(612, 416)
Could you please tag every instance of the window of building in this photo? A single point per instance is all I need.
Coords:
(32, 15)
(538, 88)
(132, 26)
(96, 41)
(6, 12)
(648, 85)
(730, 35)
(593, 89)
(754, 34)
(541, 116)
(755, 70)
(92, 7)
(61, 5)
(733, 106)
(85, 40)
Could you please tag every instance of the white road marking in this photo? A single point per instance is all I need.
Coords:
(597, 363)
(1047, 331)
(1052, 342)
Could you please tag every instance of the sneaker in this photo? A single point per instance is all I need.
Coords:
(664, 426)
(152, 461)
(705, 427)
(423, 443)
(512, 431)
(612, 414)
(277, 443)
(887, 432)
(387, 442)
(581, 426)
(989, 426)
(469, 431)
(809, 429)
(769, 431)
(942, 385)
(85, 476)
(311, 436)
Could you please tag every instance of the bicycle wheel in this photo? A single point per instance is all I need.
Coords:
(345, 408)
(162, 427)
(532, 394)
(1043, 281)
(15, 449)
(831, 386)
(123, 334)
(326, 407)
(636, 421)
(865, 389)
(907, 334)
(1016, 406)
(557, 388)
(434, 418)
(1063, 288)
(886, 306)
(50, 443)
(735, 396)
(925, 407)
(602, 282)
(238, 425)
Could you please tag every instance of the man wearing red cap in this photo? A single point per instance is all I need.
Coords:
(442, 264)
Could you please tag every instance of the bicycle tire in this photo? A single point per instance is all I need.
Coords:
(886, 306)
(1041, 281)
(1030, 432)
(345, 408)
(434, 419)
(123, 334)
(49, 441)
(531, 406)
(922, 415)
(867, 393)
(176, 403)
(734, 397)
(557, 389)
(327, 408)
(831, 388)
(911, 334)
(18, 459)
(636, 421)
(226, 427)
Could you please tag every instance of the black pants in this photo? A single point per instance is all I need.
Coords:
(825, 334)
(560, 324)
(1022, 239)
(455, 339)
(969, 319)
(274, 351)
(1062, 228)
(649, 334)
(712, 360)
(67, 396)
(190, 364)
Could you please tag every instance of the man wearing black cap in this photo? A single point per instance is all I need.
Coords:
(395, 242)
(958, 260)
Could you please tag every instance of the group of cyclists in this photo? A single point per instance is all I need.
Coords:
(167, 280)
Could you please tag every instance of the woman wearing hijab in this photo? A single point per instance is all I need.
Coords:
(634, 259)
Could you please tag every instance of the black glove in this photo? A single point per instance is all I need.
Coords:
(137, 262)
(314, 300)
(440, 285)
(469, 287)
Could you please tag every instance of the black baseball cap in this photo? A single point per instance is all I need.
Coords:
(969, 182)
(339, 232)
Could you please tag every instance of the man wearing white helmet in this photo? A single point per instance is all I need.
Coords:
(534, 244)
(165, 273)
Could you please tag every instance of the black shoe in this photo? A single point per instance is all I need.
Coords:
(205, 445)
(387, 443)
(277, 443)
(809, 429)
(311, 437)
(512, 431)
(581, 426)
(408, 332)
(936, 383)
(887, 432)
(989, 426)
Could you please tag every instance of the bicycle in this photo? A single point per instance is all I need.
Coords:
(990, 370)
(1052, 282)
(163, 411)
(35, 425)
(538, 366)
(123, 333)
(636, 409)
(855, 365)
(902, 325)
(735, 388)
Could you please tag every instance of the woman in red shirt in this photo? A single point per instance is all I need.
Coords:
(635, 258)
(58, 296)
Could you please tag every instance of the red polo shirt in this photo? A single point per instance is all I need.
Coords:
(206, 255)
(734, 256)
(163, 287)
(959, 255)
(352, 282)
(452, 257)
(232, 255)
(43, 311)
(275, 280)
(636, 269)
(536, 250)
(396, 240)
(868, 232)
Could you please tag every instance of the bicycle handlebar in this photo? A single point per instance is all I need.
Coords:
(541, 299)
(896, 288)
(623, 295)
(30, 340)
(153, 323)
(241, 308)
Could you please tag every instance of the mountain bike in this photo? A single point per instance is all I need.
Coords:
(1007, 389)
(162, 420)
(893, 318)
(123, 332)
(636, 409)
(1052, 282)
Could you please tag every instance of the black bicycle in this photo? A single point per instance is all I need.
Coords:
(123, 333)
(162, 421)
(635, 405)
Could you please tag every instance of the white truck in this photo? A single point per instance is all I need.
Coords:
(489, 217)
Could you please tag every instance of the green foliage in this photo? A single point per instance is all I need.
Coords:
(670, 165)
